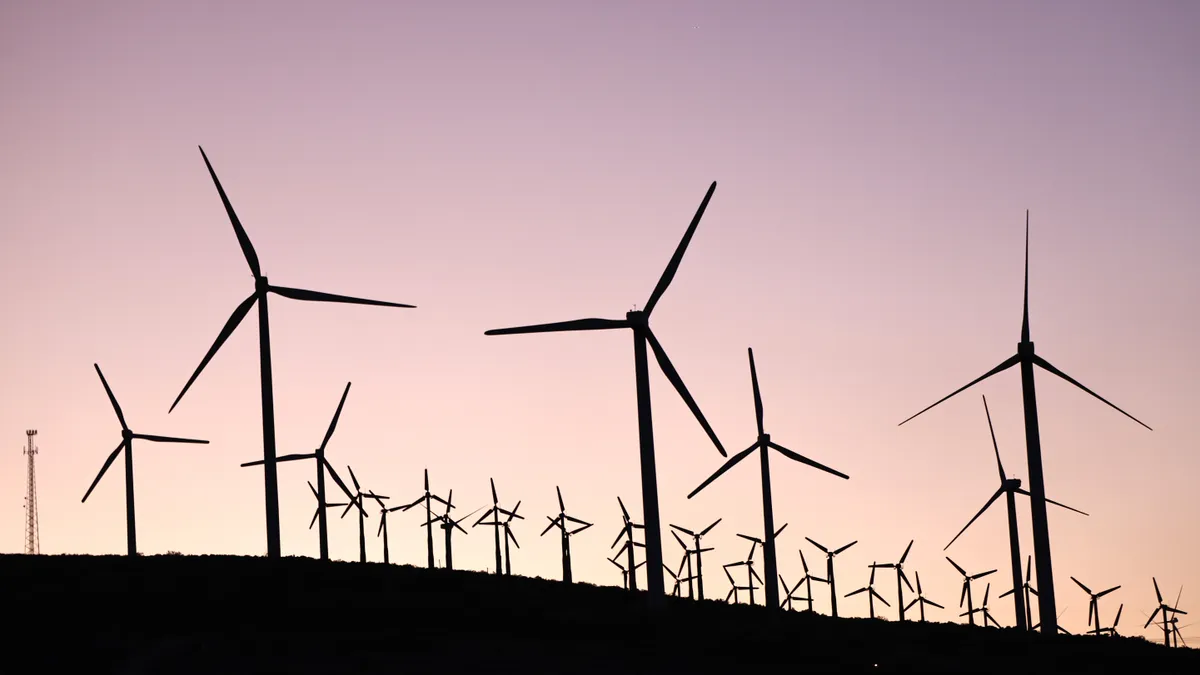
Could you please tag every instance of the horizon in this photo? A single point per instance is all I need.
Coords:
(504, 167)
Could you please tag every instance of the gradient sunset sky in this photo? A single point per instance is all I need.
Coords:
(506, 163)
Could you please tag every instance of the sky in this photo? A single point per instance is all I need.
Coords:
(499, 164)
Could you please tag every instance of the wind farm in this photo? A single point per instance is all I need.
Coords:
(892, 186)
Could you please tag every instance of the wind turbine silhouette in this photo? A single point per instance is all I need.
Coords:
(869, 589)
(966, 591)
(922, 599)
(829, 555)
(1009, 487)
(697, 552)
(1094, 605)
(1164, 608)
(321, 506)
(627, 528)
(982, 609)
(322, 465)
(448, 525)
(763, 444)
(357, 500)
(383, 529)
(126, 444)
(1027, 359)
(496, 511)
(1027, 590)
(624, 572)
(639, 322)
(261, 289)
(428, 498)
(751, 574)
(790, 594)
(807, 581)
(560, 521)
(900, 577)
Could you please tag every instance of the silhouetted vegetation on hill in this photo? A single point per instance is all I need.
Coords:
(225, 614)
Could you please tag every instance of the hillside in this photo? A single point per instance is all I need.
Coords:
(222, 614)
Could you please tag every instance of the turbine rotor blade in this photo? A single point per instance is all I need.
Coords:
(1005, 365)
(318, 296)
(231, 325)
(1046, 365)
(960, 570)
(1085, 588)
(669, 370)
(804, 460)
(758, 405)
(906, 550)
(710, 527)
(725, 467)
(995, 446)
(995, 496)
(669, 273)
(579, 324)
(168, 439)
(336, 414)
(243, 238)
(107, 463)
(112, 399)
(845, 547)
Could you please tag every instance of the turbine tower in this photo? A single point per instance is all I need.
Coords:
(33, 544)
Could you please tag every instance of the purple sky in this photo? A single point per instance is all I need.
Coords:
(507, 163)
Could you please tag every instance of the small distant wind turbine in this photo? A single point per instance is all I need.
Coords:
(261, 289)
(126, 444)
(1164, 608)
(560, 521)
(627, 528)
(790, 594)
(624, 572)
(966, 591)
(321, 506)
(497, 512)
(1027, 591)
(764, 444)
(639, 322)
(983, 609)
(697, 553)
(428, 498)
(869, 589)
(383, 528)
(751, 574)
(921, 599)
(1094, 605)
(1027, 359)
(448, 525)
(807, 581)
(829, 555)
(899, 567)
(357, 500)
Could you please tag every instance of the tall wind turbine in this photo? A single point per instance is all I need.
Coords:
(763, 444)
(627, 528)
(1027, 359)
(323, 465)
(357, 500)
(1009, 487)
(448, 524)
(900, 577)
(560, 521)
(261, 289)
(966, 590)
(428, 498)
(872, 594)
(829, 556)
(697, 553)
(126, 444)
(922, 599)
(1027, 591)
(1094, 605)
(639, 322)
(807, 581)
(503, 564)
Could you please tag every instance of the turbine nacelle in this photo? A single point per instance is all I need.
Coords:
(127, 434)
(1012, 484)
(638, 319)
(261, 286)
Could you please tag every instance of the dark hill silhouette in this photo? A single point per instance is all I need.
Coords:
(210, 614)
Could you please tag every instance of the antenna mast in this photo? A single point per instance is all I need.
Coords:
(32, 542)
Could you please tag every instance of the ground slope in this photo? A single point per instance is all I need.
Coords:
(224, 614)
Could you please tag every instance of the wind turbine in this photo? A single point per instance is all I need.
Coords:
(126, 444)
(1164, 608)
(1112, 630)
(751, 574)
(1009, 487)
(357, 500)
(922, 599)
(383, 530)
(639, 322)
(982, 609)
(966, 592)
(321, 506)
(763, 444)
(734, 588)
(869, 589)
(829, 555)
(560, 521)
(1094, 604)
(448, 525)
(1027, 359)
(697, 551)
(675, 574)
(1027, 590)
(428, 498)
(624, 572)
(791, 594)
(322, 465)
(807, 581)
(627, 528)
(261, 289)
(496, 512)
(900, 577)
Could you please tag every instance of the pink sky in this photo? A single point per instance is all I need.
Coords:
(498, 164)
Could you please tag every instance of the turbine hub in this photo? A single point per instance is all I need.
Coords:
(261, 285)
(127, 434)
(1025, 348)
(637, 318)
(764, 438)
